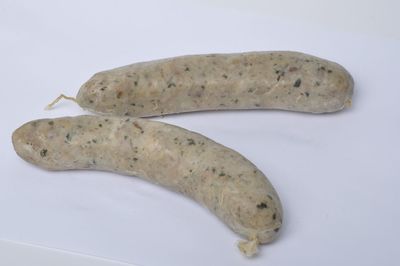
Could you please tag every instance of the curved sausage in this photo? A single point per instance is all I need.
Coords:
(217, 177)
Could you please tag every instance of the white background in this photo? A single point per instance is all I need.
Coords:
(337, 175)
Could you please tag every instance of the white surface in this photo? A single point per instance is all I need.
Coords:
(337, 175)
(14, 253)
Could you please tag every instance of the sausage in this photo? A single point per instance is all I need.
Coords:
(217, 177)
(255, 80)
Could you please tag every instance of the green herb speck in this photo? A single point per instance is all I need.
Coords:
(68, 137)
(262, 205)
(297, 83)
(43, 152)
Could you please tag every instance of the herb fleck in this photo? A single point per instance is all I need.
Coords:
(135, 83)
(262, 205)
(297, 83)
(307, 93)
(43, 152)
(68, 137)
(138, 127)
(125, 137)
(222, 174)
(100, 125)
(171, 85)
(191, 142)
(225, 76)
(187, 69)
(119, 94)
(274, 216)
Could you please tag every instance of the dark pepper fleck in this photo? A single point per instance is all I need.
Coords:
(307, 93)
(135, 83)
(187, 69)
(262, 205)
(225, 76)
(274, 216)
(68, 137)
(191, 142)
(276, 230)
(138, 127)
(119, 94)
(171, 85)
(51, 123)
(43, 152)
(297, 83)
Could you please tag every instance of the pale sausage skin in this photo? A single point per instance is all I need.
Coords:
(255, 80)
(217, 177)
